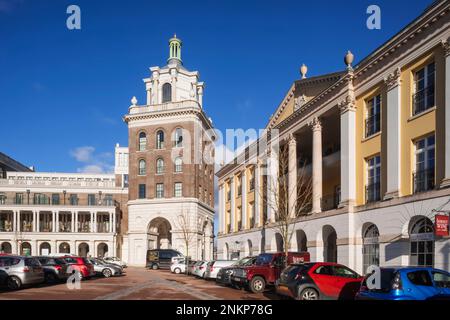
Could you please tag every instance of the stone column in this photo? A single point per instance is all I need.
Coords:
(174, 74)
(76, 222)
(316, 127)
(53, 221)
(233, 209)
(244, 199)
(15, 224)
(393, 109)
(155, 87)
(148, 88)
(272, 182)
(35, 224)
(446, 181)
(221, 209)
(92, 222)
(57, 220)
(72, 222)
(200, 95)
(110, 223)
(348, 153)
(258, 195)
(114, 216)
(292, 167)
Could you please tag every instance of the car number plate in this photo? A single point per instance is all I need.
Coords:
(237, 279)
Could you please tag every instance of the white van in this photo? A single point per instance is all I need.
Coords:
(214, 266)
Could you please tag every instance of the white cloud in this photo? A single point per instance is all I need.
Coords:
(92, 162)
(83, 154)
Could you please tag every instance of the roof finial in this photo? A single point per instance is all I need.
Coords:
(349, 57)
(303, 70)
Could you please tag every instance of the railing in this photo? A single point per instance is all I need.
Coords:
(423, 99)
(329, 202)
(252, 184)
(164, 106)
(372, 124)
(423, 180)
(373, 192)
(102, 227)
(24, 202)
(57, 183)
(252, 222)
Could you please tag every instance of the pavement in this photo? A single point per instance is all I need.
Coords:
(137, 284)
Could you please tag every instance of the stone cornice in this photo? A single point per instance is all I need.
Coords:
(434, 13)
(446, 46)
(393, 79)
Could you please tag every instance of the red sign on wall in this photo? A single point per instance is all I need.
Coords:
(441, 225)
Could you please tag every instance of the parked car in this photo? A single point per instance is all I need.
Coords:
(200, 269)
(266, 270)
(105, 269)
(115, 260)
(180, 266)
(214, 266)
(161, 258)
(55, 269)
(408, 283)
(18, 271)
(75, 263)
(191, 267)
(224, 274)
(318, 281)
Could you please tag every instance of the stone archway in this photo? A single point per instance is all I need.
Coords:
(6, 248)
(64, 247)
(83, 249)
(277, 244)
(159, 234)
(45, 249)
(25, 249)
(301, 240)
(102, 250)
(329, 244)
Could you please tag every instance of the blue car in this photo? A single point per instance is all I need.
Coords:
(408, 283)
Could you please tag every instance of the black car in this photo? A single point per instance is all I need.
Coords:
(55, 269)
(224, 274)
(161, 258)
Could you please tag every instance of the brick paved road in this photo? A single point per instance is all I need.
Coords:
(138, 283)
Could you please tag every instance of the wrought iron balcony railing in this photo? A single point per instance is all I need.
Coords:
(423, 99)
(423, 180)
(373, 192)
(373, 125)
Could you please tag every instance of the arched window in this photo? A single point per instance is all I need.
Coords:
(178, 164)
(166, 92)
(142, 141)
(159, 165)
(159, 139)
(142, 167)
(421, 236)
(371, 247)
(178, 138)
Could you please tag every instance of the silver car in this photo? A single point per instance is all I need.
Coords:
(18, 271)
(214, 267)
(105, 269)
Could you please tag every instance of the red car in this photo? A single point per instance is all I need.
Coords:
(80, 264)
(319, 281)
(265, 271)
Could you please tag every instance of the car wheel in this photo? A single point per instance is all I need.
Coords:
(154, 266)
(14, 283)
(308, 294)
(257, 284)
(107, 273)
(50, 278)
(177, 270)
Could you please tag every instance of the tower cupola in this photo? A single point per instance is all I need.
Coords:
(174, 50)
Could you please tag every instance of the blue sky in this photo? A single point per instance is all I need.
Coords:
(63, 93)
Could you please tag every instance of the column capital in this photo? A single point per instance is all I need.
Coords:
(446, 45)
(348, 104)
(393, 79)
(315, 124)
(291, 139)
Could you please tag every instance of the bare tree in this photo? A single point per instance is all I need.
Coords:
(288, 205)
(185, 226)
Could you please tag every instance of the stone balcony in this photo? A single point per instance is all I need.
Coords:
(168, 106)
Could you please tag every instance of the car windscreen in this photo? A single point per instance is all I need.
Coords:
(8, 261)
(264, 258)
(387, 276)
(294, 269)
